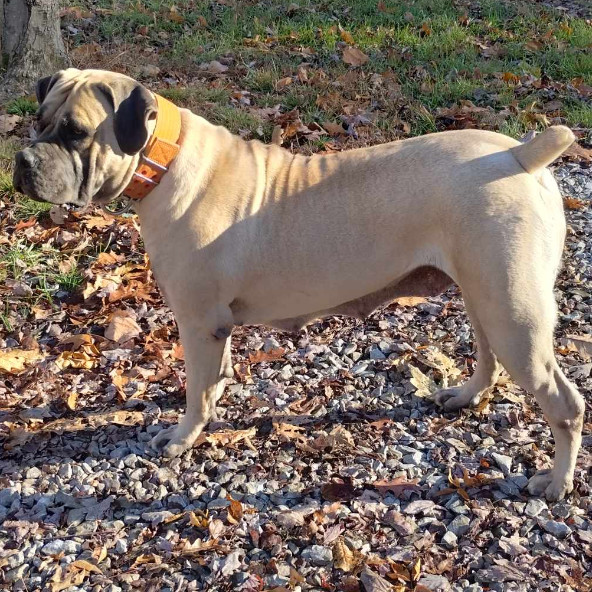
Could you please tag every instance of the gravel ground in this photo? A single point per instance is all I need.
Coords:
(329, 467)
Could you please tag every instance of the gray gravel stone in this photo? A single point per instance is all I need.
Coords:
(318, 555)
(449, 539)
(503, 462)
(435, 583)
(557, 529)
(534, 507)
(460, 525)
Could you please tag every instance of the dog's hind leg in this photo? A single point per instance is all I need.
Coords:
(484, 378)
(519, 327)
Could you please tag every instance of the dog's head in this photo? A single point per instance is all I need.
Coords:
(91, 126)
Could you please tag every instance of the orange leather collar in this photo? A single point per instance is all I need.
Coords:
(159, 152)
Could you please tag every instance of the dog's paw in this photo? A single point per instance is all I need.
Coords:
(452, 399)
(544, 484)
(170, 443)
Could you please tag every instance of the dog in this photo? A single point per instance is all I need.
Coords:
(239, 232)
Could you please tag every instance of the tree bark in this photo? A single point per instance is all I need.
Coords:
(30, 43)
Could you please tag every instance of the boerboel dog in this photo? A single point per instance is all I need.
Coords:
(245, 233)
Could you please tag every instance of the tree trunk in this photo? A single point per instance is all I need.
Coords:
(30, 43)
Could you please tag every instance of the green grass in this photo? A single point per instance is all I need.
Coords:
(37, 267)
(438, 55)
(579, 115)
(26, 208)
(22, 106)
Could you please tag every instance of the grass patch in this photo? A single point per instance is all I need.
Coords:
(580, 115)
(22, 106)
(26, 208)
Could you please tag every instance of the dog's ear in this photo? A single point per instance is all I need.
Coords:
(134, 107)
(44, 86)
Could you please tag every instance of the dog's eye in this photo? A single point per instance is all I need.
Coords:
(73, 130)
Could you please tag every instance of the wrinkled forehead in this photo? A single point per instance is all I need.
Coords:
(80, 94)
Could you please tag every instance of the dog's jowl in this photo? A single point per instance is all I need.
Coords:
(244, 233)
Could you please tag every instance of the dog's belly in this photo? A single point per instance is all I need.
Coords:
(422, 281)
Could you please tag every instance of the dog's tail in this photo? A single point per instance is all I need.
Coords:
(544, 148)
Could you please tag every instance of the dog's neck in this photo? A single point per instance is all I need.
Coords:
(158, 154)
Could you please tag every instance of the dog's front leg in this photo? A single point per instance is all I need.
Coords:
(204, 356)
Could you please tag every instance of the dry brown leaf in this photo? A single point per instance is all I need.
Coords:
(148, 558)
(199, 520)
(334, 129)
(345, 558)
(340, 490)
(270, 356)
(20, 436)
(122, 327)
(416, 570)
(409, 300)
(109, 258)
(235, 510)
(354, 57)
(72, 579)
(85, 359)
(338, 437)
(15, 361)
(71, 401)
(582, 344)
(573, 203)
(345, 36)
(397, 485)
(216, 528)
(86, 565)
(424, 385)
(100, 553)
(511, 78)
(283, 82)
(373, 582)
(175, 16)
(177, 352)
(8, 123)
(230, 438)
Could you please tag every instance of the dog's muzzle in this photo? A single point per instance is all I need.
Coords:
(44, 172)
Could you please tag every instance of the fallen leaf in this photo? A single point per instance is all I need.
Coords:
(235, 510)
(373, 582)
(354, 57)
(71, 401)
(216, 528)
(340, 490)
(148, 558)
(15, 361)
(230, 437)
(338, 437)
(424, 385)
(270, 356)
(396, 486)
(20, 436)
(199, 520)
(344, 557)
(533, 45)
(8, 123)
(345, 36)
(410, 300)
(122, 327)
(509, 77)
(86, 565)
(175, 16)
(582, 344)
(58, 215)
(283, 82)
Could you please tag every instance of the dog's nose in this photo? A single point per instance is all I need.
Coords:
(25, 159)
